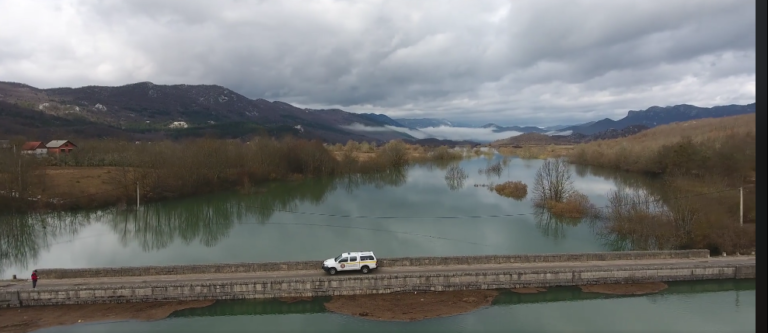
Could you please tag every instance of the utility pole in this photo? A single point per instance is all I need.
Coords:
(137, 195)
(741, 206)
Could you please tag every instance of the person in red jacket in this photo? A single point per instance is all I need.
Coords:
(34, 279)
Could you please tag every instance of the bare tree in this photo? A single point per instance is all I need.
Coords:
(553, 182)
(683, 216)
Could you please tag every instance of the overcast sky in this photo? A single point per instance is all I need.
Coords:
(538, 62)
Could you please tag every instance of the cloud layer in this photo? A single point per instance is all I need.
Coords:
(520, 62)
(481, 135)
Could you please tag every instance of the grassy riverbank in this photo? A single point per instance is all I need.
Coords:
(700, 165)
(102, 173)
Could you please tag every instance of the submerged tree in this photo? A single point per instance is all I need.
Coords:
(553, 182)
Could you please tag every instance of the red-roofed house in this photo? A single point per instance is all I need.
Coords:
(34, 148)
(60, 147)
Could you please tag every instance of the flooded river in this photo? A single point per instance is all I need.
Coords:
(416, 212)
(411, 213)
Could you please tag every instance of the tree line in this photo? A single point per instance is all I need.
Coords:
(175, 169)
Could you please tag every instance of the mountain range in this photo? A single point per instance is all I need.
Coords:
(651, 117)
(522, 129)
(655, 116)
(152, 111)
(187, 111)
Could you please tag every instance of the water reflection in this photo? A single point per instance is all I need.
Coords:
(436, 165)
(629, 180)
(24, 237)
(393, 213)
(206, 219)
(581, 170)
(455, 184)
(455, 177)
(552, 226)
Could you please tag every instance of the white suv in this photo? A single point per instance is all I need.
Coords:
(351, 261)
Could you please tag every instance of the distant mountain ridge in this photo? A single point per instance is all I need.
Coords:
(147, 107)
(651, 117)
(383, 119)
(417, 123)
(521, 129)
(539, 139)
(655, 116)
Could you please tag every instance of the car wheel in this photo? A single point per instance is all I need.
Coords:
(365, 269)
(332, 271)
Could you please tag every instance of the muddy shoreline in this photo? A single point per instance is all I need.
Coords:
(411, 306)
(528, 290)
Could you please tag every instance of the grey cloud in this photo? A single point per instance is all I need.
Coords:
(514, 62)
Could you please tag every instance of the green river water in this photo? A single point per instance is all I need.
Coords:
(702, 306)
(411, 213)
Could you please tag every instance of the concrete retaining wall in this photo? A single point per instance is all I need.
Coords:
(374, 284)
(383, 262)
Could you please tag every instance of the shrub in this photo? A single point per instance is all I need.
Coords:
(393, 154)
(513, 189)
(365, 147)
(643, 221)
(352, 146)
(576, 205)
(443, 153)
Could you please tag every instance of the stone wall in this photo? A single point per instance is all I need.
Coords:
(229, 268)
(376, 283)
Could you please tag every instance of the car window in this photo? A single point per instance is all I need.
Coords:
(352, 259)
(338, 258)
(343, 260)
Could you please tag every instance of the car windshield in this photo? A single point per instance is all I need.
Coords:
(338, 258)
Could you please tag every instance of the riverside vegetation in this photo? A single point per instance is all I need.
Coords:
(107, 171)
(699, 166)
(553, 190)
